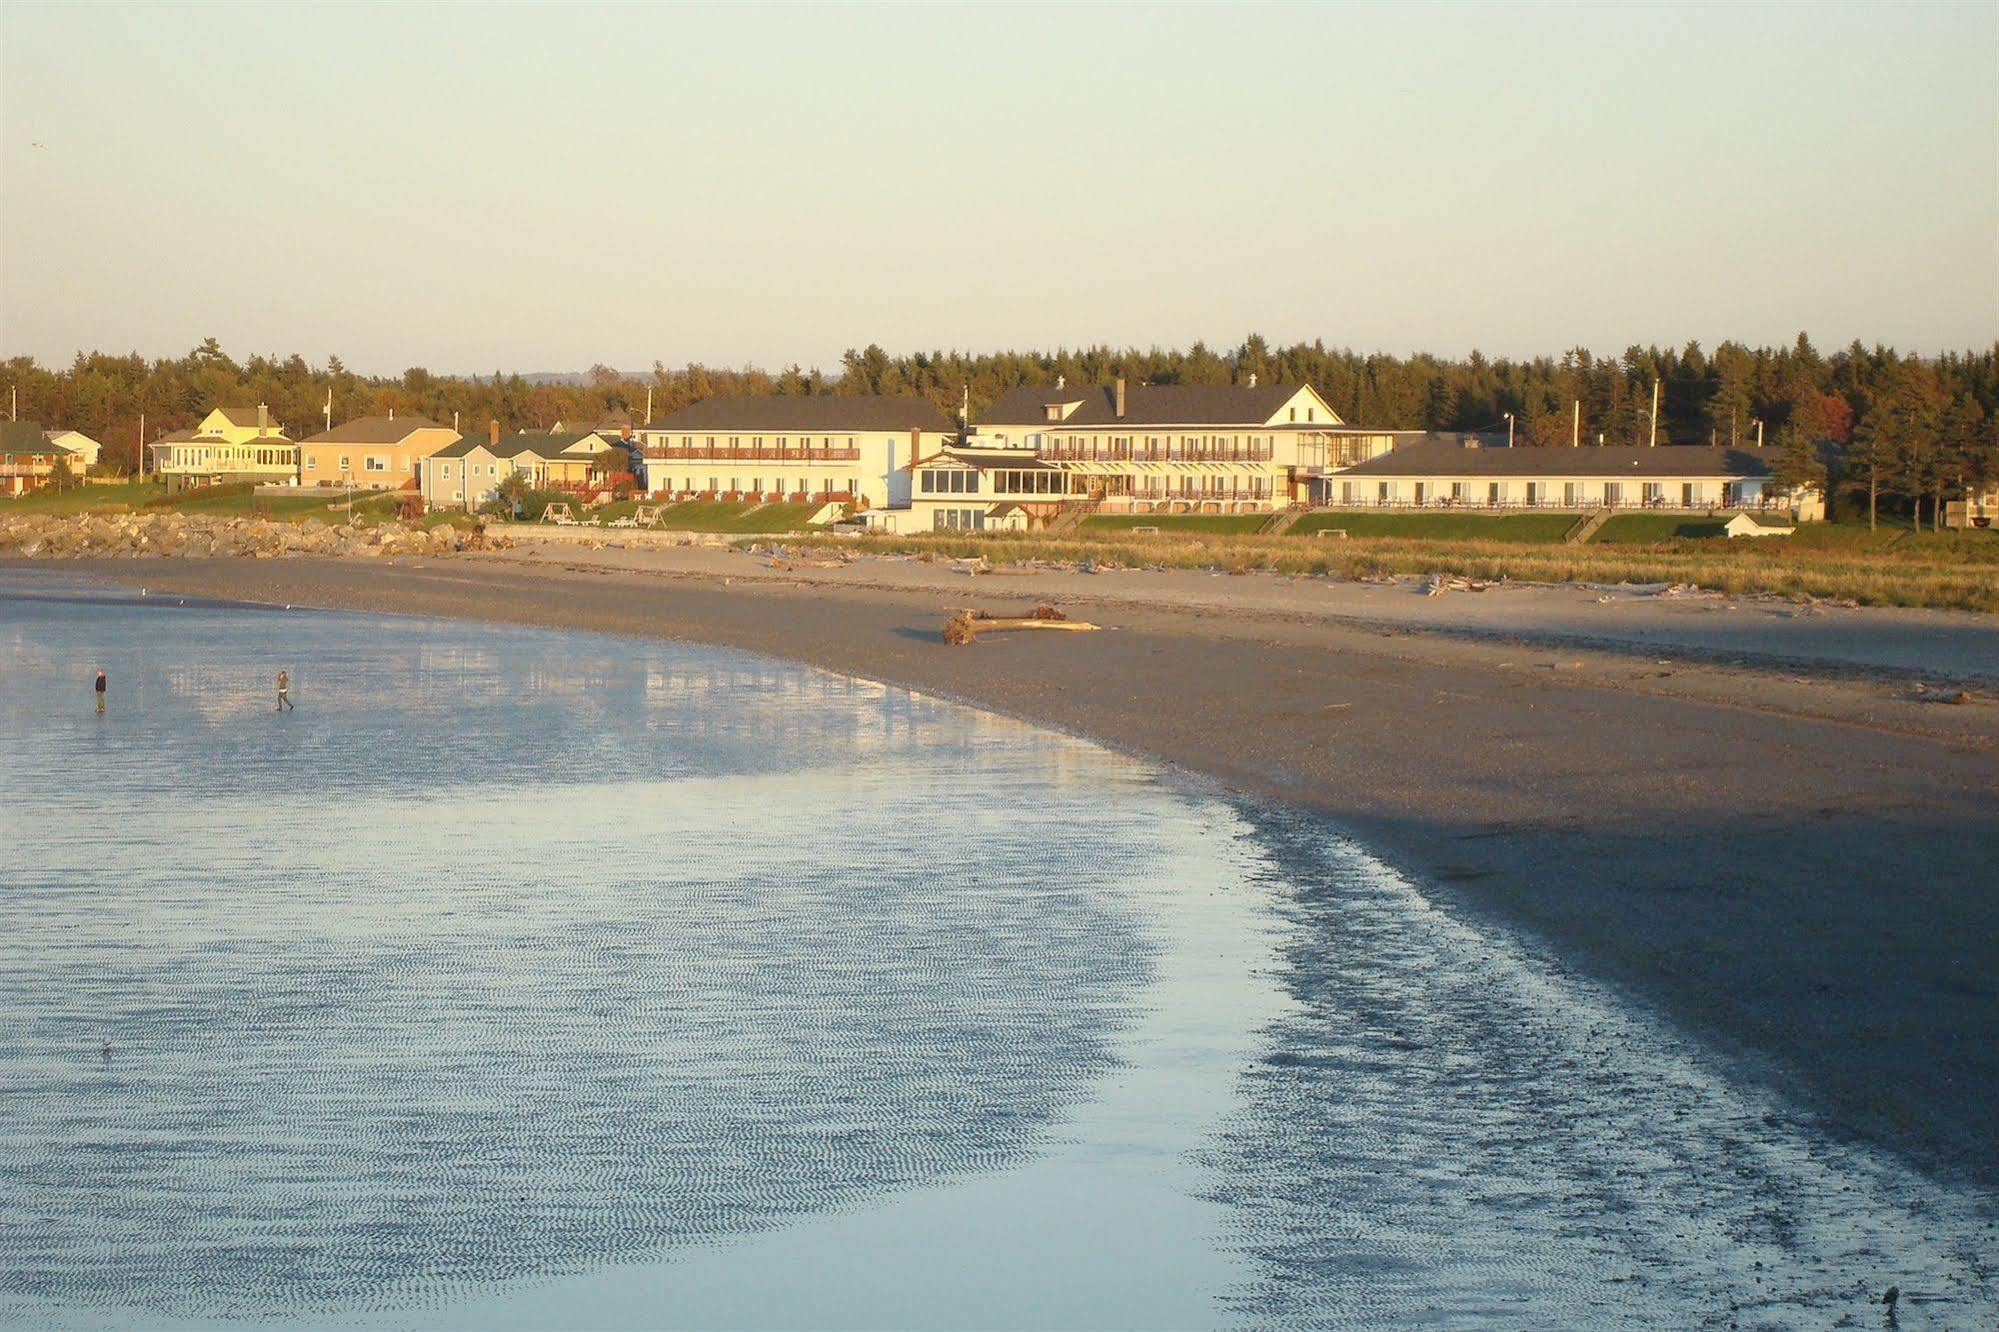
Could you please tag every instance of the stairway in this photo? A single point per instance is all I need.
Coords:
(1281, 522)
(1585, 527)
(1071, 517)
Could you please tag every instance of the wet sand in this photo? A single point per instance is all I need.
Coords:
(1764, 821)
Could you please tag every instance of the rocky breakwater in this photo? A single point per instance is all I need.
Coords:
(78, 536)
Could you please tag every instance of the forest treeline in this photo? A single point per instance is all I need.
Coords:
(1894, 427)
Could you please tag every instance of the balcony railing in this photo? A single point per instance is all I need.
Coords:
(750, 454)
(1139, 453)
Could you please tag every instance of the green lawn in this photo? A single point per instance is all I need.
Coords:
(278, 507)
(1522, 527)
(1172, 524)
(1627, 529)
(79, 498)
(720, 516)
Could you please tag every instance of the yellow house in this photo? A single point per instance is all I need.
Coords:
(232, 444)
(372, 452)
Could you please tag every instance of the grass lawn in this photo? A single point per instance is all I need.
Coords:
(1170, 524)
(1522, 527)
(82, 498)
(1645, 528)
(720, 516)
(277, 507)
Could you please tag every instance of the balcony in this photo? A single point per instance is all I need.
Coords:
(724, 454)
(1141, 454)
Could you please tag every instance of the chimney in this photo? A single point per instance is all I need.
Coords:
(1061, 381)
(263, 420)
(1120, 397)
(392, 413)
(1252, 379)
(915, 446)
(493, 432)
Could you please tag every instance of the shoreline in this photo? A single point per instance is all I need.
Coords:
(1794, 868)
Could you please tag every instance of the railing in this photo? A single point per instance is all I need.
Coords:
(722, 454)
(1139, 453)
(1580, 505)
(759, 496)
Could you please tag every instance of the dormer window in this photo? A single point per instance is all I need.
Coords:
(1054, 410)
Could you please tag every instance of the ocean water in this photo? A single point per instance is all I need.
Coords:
(531, 979)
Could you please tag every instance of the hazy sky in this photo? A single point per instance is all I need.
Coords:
(470, 188)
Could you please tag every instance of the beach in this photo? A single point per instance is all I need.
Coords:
(1776, 825)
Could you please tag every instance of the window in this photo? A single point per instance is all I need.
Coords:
(1294, 413)
(1311, 413)
(1493, 493)
(343, 463)
(376, 463)
(1687, 495)
(1381, 493)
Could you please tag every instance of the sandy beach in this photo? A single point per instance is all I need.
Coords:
(1777, 824)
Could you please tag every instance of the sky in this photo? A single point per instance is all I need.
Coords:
(547, 188)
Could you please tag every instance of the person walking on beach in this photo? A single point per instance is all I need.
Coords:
(100, 692)
(284, 692)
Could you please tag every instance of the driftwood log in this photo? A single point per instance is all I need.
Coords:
(966, 623)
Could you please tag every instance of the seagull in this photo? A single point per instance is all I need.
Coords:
(41, 147)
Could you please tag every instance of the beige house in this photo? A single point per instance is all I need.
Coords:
(825, 448)
(468, 473)
(83, 450)
(1684, 477)
(1167, 448)
(232, 444)
(372, 452)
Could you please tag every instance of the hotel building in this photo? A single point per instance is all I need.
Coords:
(819, 448)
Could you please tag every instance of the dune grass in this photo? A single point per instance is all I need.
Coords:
(1957, 570)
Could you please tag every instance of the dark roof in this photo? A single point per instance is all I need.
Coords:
(375, 430)
(1617, 461)
(1144, 404)
(1011, 460)
(239, 416)
(177, 436)
(806, 413)
(25, 437)
(458, 449)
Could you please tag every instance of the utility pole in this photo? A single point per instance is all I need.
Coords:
(648, 404)
(1759, 432)
(13, 400)
(1732, 437)
(139, 467)
(1576, 426)
(329, 408)
(1653, 443)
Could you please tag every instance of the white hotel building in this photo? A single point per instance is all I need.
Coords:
(823, 448)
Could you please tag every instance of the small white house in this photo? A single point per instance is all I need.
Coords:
(1758, 525)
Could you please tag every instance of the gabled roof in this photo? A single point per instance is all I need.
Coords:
(805, 413)
(239, 416)
(1615, 462)
(178, 436)
(986, 460)
(25, 437)
(375, 430)
(1147, 405)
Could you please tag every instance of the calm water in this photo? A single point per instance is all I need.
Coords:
(527, 979)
